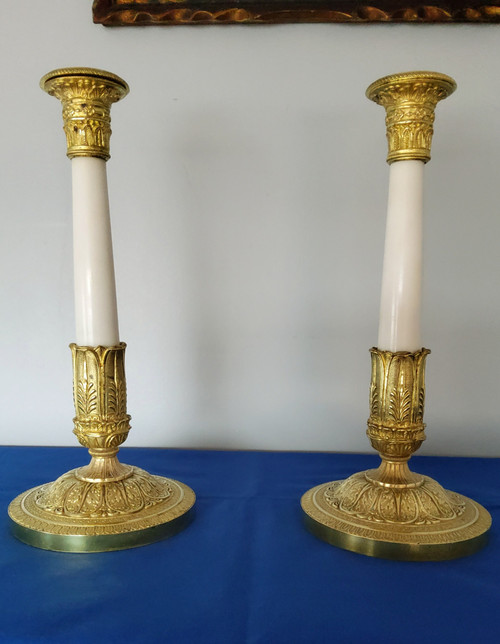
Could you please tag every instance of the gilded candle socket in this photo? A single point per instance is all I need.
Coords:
(100, 396)
(397, 397)
(87, 95)
(410, 101)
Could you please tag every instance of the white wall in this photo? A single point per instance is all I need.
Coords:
(248, 190)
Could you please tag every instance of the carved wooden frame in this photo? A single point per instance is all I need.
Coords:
(183, 12)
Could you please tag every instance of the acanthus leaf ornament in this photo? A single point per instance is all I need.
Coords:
(100, 397)
(87, 95)
(410, 101)
(398, 418)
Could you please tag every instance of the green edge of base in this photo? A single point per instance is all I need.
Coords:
(100, 543)
(392, 550)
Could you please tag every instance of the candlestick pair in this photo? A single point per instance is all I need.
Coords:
(388, 512)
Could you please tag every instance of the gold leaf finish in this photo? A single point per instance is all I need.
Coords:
(100, 396)
(457, 527)
(75, 495)
(424, 503)
(101, 515)
(87, 95)
(395, 426)
(410, 101)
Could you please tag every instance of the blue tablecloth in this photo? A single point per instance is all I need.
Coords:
(245, 571)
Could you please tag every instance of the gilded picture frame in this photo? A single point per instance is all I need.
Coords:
(189, 12)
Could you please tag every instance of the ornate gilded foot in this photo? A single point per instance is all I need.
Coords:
(420, 521)
(105, 505)
(392, 512)
(75, 515)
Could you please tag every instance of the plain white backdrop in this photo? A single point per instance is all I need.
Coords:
(248, 191)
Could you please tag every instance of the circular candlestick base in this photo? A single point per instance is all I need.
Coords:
(419, 521)
(74, 514)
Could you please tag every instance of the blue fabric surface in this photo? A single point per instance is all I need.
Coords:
(245, 571)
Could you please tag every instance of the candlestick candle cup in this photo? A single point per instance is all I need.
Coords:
(391, 512)
(105, 505)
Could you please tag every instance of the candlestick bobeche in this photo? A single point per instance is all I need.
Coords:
(105, 505)
(392, 512)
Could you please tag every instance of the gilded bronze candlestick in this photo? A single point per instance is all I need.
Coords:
(390, 511)
(105, 505)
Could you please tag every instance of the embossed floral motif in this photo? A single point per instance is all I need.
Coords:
(116, 396)
(425, 504)
(87, 96)
(72, 497)
(374, 400)
(397, 395)
(400, 405)
(410, 100)
(86, 398)
(100, 396)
